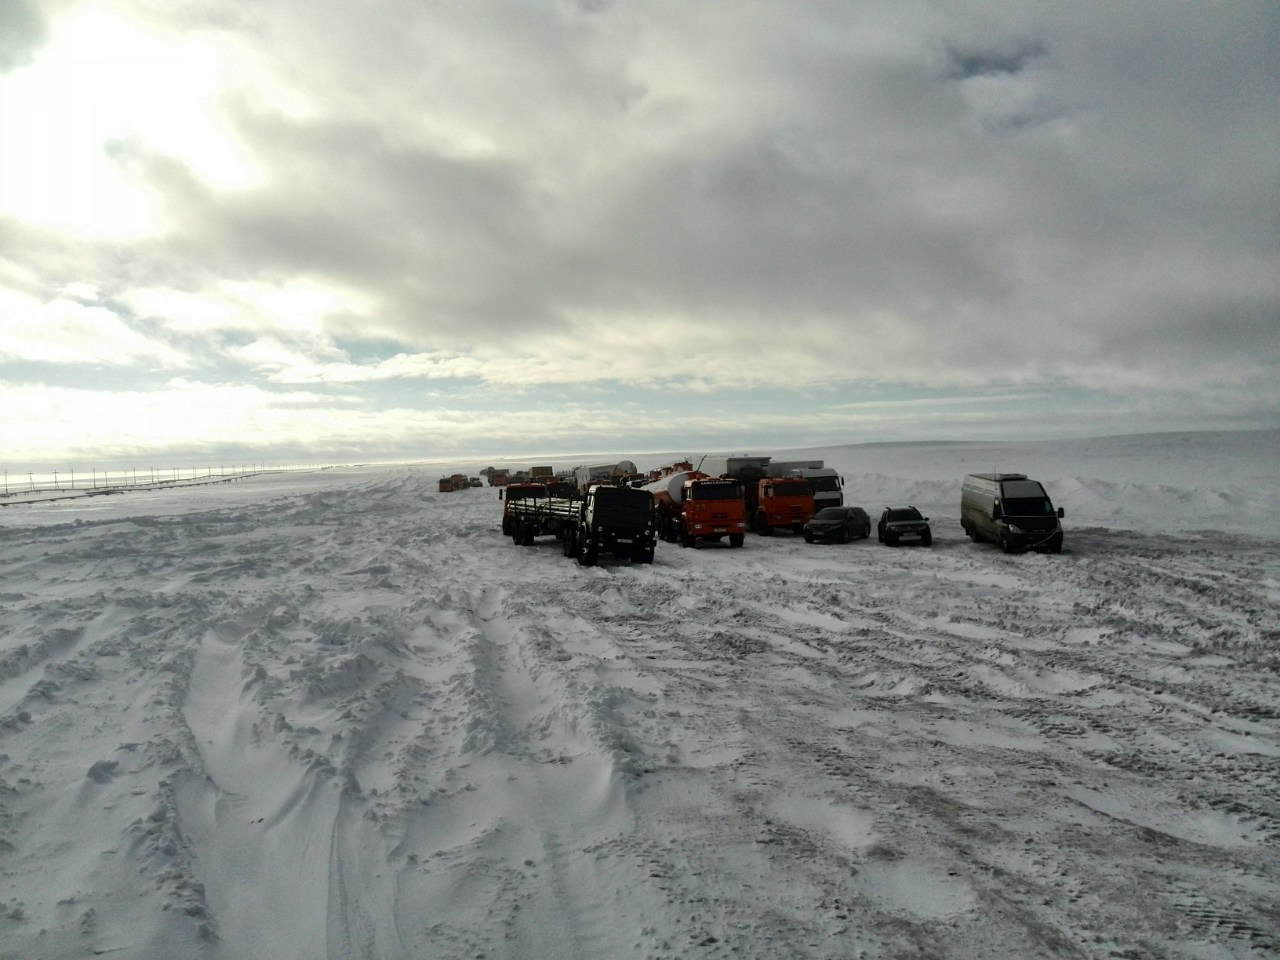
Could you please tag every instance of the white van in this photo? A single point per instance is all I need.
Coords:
(1009, 509)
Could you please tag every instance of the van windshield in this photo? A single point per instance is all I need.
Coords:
(1027, 507)
(1022, 490)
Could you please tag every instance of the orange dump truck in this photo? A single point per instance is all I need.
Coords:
(693, 506)
(772, 499)
(780, 502)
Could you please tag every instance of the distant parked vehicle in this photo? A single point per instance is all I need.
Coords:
(903, 523)
(840, 524)
(1009, 509)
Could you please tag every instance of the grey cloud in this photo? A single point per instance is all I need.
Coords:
(23, 30)
(961, 179)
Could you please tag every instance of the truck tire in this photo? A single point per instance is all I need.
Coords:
(587, 556)
(797, 528)
(570, 543)
(737, 539)
(687, 539)
(506, 526)
(516, 532)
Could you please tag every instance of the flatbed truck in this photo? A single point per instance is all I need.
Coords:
(620, 521)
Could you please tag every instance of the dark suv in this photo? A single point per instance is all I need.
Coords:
(903, 523)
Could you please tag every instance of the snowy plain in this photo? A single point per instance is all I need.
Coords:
(338, 715)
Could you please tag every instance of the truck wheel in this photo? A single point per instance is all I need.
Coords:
(737, 539)
(587, 556)
(687, 539)
(570, 543)
(516, 533)
(528, 535)
(506, 526)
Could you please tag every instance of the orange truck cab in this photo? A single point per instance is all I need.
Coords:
(712, 508)
(781, 502)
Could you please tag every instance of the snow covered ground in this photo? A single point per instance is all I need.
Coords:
(338, 715)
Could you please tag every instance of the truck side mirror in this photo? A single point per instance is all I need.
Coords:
(1061, 513)
(996, 512)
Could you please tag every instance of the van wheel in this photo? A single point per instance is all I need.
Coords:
(973, 534)
(1005, 545)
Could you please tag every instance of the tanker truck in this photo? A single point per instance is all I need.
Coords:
(693, 506)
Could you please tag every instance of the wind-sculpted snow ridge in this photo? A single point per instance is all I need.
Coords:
(353, 720)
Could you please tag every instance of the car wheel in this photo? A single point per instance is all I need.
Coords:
(926, 540)
(844, 535)
(808, 538)
(866, 530)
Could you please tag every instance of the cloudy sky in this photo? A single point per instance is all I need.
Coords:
(308, 229)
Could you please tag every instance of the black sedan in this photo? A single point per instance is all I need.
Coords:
(840, 524)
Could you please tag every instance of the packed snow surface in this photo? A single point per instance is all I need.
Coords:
(339, 715)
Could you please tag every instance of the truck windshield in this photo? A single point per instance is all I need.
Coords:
(792, 489)
(715, 491)
(624, 499)
(824, 484)
(1026, 507)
